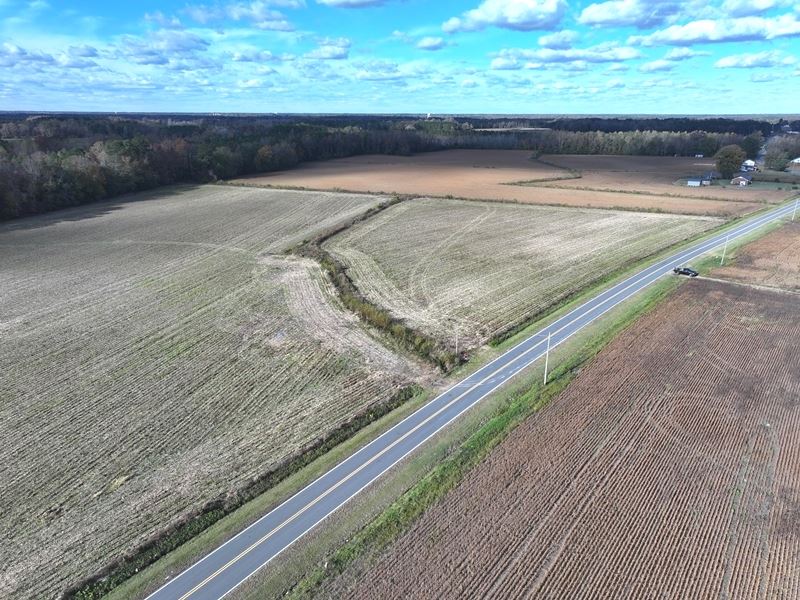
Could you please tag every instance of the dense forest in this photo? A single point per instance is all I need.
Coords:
(49, 162)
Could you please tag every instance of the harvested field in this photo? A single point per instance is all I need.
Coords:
(661, 175)
(668, 469)
(157, 356)
(481, 266)
(486, 175)
(773, 260)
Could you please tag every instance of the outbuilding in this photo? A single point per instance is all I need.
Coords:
(742, 179)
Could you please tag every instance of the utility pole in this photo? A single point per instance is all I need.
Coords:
(546, 358)
(724, 250)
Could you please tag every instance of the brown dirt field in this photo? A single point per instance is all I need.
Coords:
(654, 175)
(481, 175)
(772, 260)
(670, 468)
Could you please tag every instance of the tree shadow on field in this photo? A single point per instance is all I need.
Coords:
(93, 210)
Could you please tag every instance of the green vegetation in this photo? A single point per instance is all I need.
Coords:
(729, 159)
(780, 150)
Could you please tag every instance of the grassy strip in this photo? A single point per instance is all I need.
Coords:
(413, 340)
(399, 517)
(116, 573)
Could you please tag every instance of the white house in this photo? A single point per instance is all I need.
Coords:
(748, 165)
(742, 179)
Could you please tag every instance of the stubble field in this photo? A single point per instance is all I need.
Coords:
(158, 354)
(668, 469)
(479, 267)
(637, 183)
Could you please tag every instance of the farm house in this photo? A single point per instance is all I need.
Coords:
(742, 180)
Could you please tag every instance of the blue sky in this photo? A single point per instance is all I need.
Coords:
(408, 56)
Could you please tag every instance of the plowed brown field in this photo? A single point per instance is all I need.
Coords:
(773, 260)
(670, 468)
(486, 175)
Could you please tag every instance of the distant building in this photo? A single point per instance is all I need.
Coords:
(699, 156)
(704, 179)
(747, 166)
(794, 166)
(742, 179)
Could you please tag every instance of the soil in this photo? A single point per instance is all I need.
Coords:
(670, 468)
(486, 174)
(773, 260)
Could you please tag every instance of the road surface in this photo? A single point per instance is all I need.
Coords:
(228, 566)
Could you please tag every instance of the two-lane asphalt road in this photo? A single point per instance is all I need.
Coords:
(229, 565)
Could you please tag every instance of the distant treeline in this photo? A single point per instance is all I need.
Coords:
(51, 162)
(613, 124)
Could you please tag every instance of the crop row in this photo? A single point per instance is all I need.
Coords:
(669, 468)
(480, 269)
(168, 371)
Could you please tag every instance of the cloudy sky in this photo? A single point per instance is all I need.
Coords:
(409, 56)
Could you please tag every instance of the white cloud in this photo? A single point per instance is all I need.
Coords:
(571, 59)
(520, 15)
(161, 19)
(331, 49)
(379, 70)
(724, 30)
(260, 13)
(744, 8)
(657, 65)
(559, 40)
(351, 3)
(677, 54)
(772, 58)
(159, 47)
(638, 13)
(469, 83)
(430, 43)
(763, 77)
(254, 56)
(82, 51)
(502, 63)
(12, 55)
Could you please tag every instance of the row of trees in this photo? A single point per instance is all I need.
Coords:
(34, 181)
(635, 143)
(50, 163)
(781, 150)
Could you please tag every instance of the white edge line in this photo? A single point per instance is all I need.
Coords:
(691, 252)
(696, 252)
